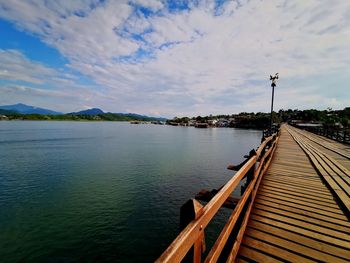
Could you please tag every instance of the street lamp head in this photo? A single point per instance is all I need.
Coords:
(273, 85)
(273, 80)
(274, 77)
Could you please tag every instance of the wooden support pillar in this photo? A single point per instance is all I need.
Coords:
(192, 210)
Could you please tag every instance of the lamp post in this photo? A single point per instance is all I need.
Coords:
(273, 85)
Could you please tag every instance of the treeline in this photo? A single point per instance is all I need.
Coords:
(261, 120)
(12, 115)
(329, 117)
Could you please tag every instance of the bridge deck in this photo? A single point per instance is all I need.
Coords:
(295, 216)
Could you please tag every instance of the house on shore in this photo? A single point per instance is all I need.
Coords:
(3, 118)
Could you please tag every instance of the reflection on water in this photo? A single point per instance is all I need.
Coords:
(105, 191)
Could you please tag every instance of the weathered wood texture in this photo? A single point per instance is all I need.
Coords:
(335, 174)
(338, 151)
(296, 216)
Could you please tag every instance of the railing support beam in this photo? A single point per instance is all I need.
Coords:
(192, 210)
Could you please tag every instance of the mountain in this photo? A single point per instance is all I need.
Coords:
(93, 111)
(116, 116)
(89, 114)
(26, 109)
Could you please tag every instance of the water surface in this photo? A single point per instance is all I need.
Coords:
(104, 191)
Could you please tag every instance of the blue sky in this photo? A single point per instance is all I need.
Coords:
(174, 58)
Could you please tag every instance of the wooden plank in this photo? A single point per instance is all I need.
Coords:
(343, 224)
(301, 217)
(241, 260)
(329, 250)
(297, 170)
(334, 154)
(295, 210)
(306, 175)
(334, 169)
(316, 185)
(338, 186)
(305, 202)
(307, 179)
(322, 142)
(306, 225)
(306, 232)
(298, 189)
(302, 207)
(330, 180)
(270, 249)
(291, 172)
(300, 195)
(256, 256)
(299, 184)
(293, 247)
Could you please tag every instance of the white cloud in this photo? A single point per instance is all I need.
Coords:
(33, 83)
(14, 65)
(154, 5)
(177, 62)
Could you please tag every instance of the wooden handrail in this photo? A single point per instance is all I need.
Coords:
(178, 249)
(252, 193)
(225, 233)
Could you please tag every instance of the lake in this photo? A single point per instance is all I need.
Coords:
(105, 191)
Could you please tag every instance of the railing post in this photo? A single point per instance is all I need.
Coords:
(192, 210)
(250, 173)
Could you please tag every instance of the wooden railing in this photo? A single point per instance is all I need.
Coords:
(268, 132)
(192, 236)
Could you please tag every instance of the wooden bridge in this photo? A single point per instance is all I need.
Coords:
(295, 207)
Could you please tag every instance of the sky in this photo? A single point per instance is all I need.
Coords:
(175, 58)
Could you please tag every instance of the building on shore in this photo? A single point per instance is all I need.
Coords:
(3, 118)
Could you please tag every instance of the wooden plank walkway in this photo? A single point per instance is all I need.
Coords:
(338, 151)
(298, 214)
(331, 169)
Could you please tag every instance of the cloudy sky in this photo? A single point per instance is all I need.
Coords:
(175, 58)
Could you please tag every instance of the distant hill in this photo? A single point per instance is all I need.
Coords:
(8, 112)
(115, 116)
(93, 111)
(26, 109)
(141, 117)
(26, 112)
